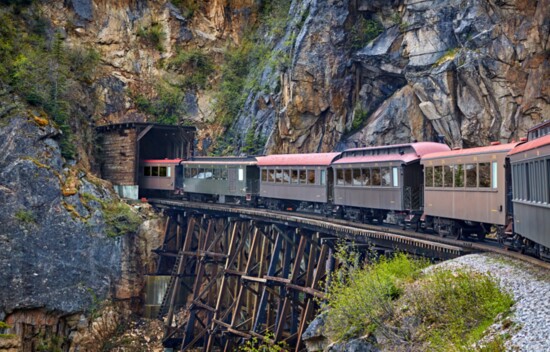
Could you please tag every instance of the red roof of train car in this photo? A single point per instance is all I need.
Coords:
(499, 148)
(535, 143)
(313, 159)
(161, 161)
(420, 149)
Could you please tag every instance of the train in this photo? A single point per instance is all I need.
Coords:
(499, 190)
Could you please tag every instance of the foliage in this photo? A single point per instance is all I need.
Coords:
(42, 70)
(363, 32)
(119, 218)
(243, 64)
(25, 216)
(455, 307)
(359, 118)
(253, 145)
(187, 7)
(195, 66)
(168, 106)
(359, 298)
(52, 344)
(4, 326)
(153, 35)
(447, 56)
(266, 345)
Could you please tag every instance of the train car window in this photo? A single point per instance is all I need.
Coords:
(366, 175)
(494, 174)
(162, 171)
(147, 171)
(271, 175)
(527, 182)
(438, 176)
(310, 177)
(339, 176)
(200, 173)
(241, 174)
(385, 176)
(210, 174)
(224, 174)
(194, 172)
(395, 176)
(347, 177)
(471, 175)
(458, 171)
(154, 171)
(278, 176)
(286, 176)
(447, 176)
(484, 175)
(357, 177)
(323, 177)
(186, 172)
(218, 174)
(294, 176)
(375, 174)
(302, 176)
(264, 175)
(429, 176)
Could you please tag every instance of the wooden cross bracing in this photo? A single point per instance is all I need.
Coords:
(250, 279)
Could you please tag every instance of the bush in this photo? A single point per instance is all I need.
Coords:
(167, 107)
(153, 36)
(363, 32)
(25, 216)
(187, 7)
(195, 66)
(359, 118)
(119, 218)
(360, 298)
(455, 307)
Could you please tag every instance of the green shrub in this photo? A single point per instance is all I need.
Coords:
(195, 66)
(359, 118)
(167, 107)
(119, 218)
(265, 345)
(363, 32)
(153, 36)
(360, 298)
(187, 7)
(253, 145)
(456, 307)
(25, 216)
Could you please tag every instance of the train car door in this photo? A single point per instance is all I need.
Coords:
(329, 174)
(232, 179)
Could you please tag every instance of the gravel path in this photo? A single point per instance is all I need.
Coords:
(530, 287)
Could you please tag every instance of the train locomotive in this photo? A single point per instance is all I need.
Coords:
(501, 189)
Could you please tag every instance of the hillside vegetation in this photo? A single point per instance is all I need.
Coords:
(403, 306)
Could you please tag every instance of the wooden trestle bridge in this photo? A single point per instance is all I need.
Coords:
(238, 273)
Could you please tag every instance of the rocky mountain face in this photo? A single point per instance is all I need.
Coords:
(355, 72)
(59, 264)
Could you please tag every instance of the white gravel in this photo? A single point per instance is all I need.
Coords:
(530, 287)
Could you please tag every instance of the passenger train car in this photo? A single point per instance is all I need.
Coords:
(465, 190)
(502, 189)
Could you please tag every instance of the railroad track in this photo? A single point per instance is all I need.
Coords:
(452, 247)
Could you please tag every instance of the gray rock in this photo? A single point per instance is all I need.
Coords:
(50, 258)
(83, 8)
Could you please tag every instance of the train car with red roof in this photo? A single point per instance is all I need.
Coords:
(466, 191)
(160, 176)
(530, 163)
(300, 182)
(372, 182)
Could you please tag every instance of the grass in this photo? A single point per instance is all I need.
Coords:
(153, 36)
(441, 310)
(195, 66)
(25, 216)
(363, 32)
(120, 218)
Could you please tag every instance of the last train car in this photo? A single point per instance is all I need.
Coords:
(531, 192)
(371, 182)
(466, 190)
(223, 180)
(159, 176)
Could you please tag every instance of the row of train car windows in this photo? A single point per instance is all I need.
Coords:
(376, 176)
(306, 177)
(205, 173)
(157, 171)
(482, 175)
(531, 181)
